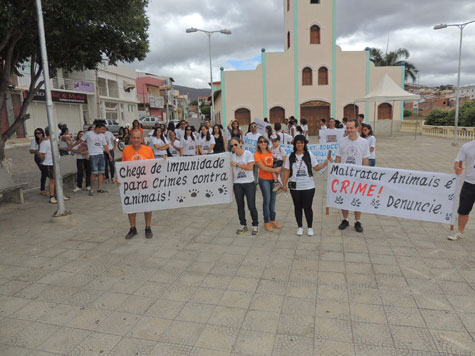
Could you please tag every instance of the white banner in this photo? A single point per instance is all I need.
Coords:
(176, 182)
(330, 136)
(261, 126)
(407, 194)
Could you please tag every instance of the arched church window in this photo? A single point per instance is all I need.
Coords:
(307, 76)
(315, 34)
(323, 76)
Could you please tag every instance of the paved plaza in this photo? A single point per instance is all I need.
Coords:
(79, 288)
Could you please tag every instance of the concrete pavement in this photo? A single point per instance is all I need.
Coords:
(400, 288)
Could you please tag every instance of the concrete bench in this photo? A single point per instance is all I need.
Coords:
(69, 169)
(10, 190)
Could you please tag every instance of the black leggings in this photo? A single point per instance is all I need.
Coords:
(83, 166)
(43, 170)
(303, 199)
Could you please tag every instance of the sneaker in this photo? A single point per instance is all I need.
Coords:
(241, 230)
(88, 188)
(276, 187)
(53, 200)
(44, 192)
(77, 189)
(101, 191)
(132, 232)
(310, 231)
(148, 233)
(457, 236)
(254, 230)
(275, 224)
(66, 197)
(299, 231)
(344, 224)
(358, 227)
(91, 192)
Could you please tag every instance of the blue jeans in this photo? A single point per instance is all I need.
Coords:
(269, 197)
(372, 162)
(98, 164)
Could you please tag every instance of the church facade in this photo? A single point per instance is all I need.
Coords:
(312, 79)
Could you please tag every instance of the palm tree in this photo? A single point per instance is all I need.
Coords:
(395, 58)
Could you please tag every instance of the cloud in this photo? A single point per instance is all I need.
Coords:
(260, 24)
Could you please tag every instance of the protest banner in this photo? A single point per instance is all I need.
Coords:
(175, 182)
(330, 135)
(401, 193)
(261, 126)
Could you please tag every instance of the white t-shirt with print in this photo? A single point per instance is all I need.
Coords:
(467, 155)
(95, 143)
(45, 148)
(240, 175)
(353, 152)
(158, 141)
(278, 153)
(205, 145)
(174, 152)
(372, 144)
(189, 146)
(252, 136)
(285, 139)
(300, 172)
(179, 133)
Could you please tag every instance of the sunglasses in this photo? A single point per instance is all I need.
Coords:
(253, 127)
(235, 145)
(262, 141)
(188, 129)
(37, 133)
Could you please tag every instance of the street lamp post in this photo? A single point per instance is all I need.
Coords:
(461, 26)
(209, 33)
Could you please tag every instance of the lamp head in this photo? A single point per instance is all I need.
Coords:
(191, 30)
(440, 27)
(225, 32)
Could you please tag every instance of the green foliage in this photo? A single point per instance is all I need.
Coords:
(395, 58)
(439, 117)
(206, 110)
(408, 113)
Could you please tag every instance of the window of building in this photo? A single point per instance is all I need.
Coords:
(314, 1)
(113, 88)
(288, 5)
(307, 76)
(314, 34)
(323, 76)
(102, 84)
(288, 39)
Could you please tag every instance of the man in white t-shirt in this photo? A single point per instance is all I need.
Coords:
(46, 155)
(285, 139)
(110, 163)
(96, 145)
(467, 193)
(180, 131)
(352, 149)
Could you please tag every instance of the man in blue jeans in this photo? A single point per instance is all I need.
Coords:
(96, 145)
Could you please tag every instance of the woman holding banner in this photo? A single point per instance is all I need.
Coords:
(265, 161)
(188, 142)
(159, 143)
(242, 163)
(206, 141)
(301, 184)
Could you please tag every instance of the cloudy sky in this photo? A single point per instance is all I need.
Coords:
(258, 24)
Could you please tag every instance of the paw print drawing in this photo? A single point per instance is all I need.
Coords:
(339, 200)
(209, 194)
(194, 192)
(375, 203)
(180, 199)
(356, 202)
(451, 196)
(223, 190)
(448, 216)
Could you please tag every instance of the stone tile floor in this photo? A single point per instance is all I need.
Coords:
(196, 288)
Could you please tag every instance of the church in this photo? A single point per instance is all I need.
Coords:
(312, 79)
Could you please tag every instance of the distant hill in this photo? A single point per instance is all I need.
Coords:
(193, 93)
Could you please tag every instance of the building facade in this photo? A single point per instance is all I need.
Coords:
(313, 78)
(152, 103)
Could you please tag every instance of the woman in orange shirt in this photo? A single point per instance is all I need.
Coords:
(265, 161)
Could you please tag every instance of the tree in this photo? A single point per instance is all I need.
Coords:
(79, 36)
(395, 58)
(205, 110)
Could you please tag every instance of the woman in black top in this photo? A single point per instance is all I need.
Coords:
(234, 131)
(220, 145)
